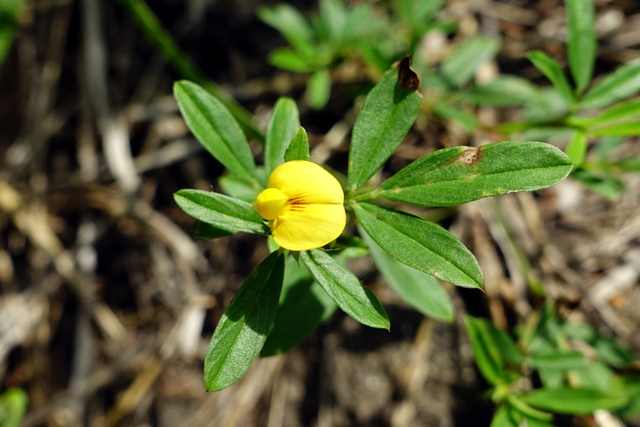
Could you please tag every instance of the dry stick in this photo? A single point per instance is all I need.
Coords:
(115, 135)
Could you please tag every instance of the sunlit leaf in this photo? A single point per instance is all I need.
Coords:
(243, 328)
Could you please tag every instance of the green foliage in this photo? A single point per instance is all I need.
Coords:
(9, 14)
(410, 252)
(420, 290)
(386, 116)
(243, 328)
(574, 362)
(13, 405)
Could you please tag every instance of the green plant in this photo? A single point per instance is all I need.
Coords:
(555, 367)
(13, 404)
(376, 34)
(409, 250)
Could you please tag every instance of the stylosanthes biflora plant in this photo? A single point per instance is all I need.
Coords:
(304, 209)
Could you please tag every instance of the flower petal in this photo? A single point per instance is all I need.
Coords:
(306, 182)
(270, 202)
(308, 226)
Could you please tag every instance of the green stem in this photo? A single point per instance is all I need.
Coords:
(366, 196)
(162, 39)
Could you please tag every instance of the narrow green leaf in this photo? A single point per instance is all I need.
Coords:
(504, 417)
(223, 212)
(577, 147)
(303, 306)
(215, 128)
(552, 70)
(567, 400)
(285, 120)
(319, 88)
(387, 115)
(535, 417)
(333, 17)
(462, 65)
(622, 83)
(420, 290)
(625, 129)
(581, 43)
(504, 91)
(601, 182)
(243, 328)
(291, 60)
(558, 359)
(457, 175)
(487, 358)
(298, 149)
(420, 244)
(345, 289)
(455, 113)
(616, 112)
(417, 13)
(291, 24)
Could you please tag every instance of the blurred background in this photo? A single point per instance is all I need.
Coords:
(107, 300)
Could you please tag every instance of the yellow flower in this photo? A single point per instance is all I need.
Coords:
(304, 205)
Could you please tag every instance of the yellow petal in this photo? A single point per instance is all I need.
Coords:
(270, 202)
(306, 182)
(308, 226)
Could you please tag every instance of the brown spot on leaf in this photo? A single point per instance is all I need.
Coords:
(470, 156)
(407, 78)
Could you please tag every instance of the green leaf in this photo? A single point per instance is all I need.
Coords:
(421, 291)
(461, 66)
(622, 83)
(345, 289)
(420, 244)
(208, 231)
(577, 147)
(487, 357)
(223, 212)
(291, 60)
(285, 120)
(505, 417)
(457, 175)
(504, 91)
(215, 128)
(417, 14)
(298, 149)
(13, 406)
(624, 129)
(603, 183)
(453, 112)
(291, 24)
(303, 306)
(333, 17)
(595, 375)
(243, 328)
(616, 112)
(319, 88)
(581, 43)
(558, 359)
(552, 70)
(387, 115)
(567, 400)
(534, 416)
(9, 14)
